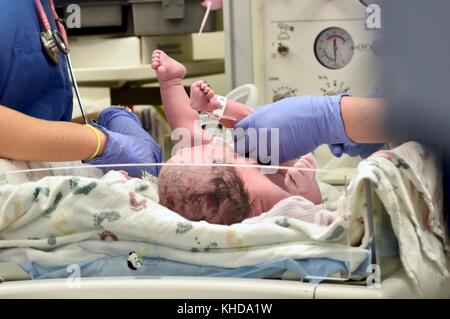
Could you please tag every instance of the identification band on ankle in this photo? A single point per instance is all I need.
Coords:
(218, 114)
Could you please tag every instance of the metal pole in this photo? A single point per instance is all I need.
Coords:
(370, 222)
(77, 91)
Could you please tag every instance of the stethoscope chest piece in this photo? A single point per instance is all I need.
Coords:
(54, 45)
(49, 43)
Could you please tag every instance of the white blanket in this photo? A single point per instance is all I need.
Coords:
(57, 211)
(407, 184)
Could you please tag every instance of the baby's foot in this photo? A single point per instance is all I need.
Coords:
(203, 98)
(167, 68)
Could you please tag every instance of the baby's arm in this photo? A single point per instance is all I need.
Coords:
(180, 115)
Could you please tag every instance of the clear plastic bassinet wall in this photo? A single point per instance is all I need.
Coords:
(213, 220)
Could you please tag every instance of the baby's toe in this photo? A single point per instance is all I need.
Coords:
(162, 69)
(155, 62)
(210, 95)
(198, 83)
(156, 55)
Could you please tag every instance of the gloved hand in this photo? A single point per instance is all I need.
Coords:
(304, 122)
(354, 150)
(122, 120)
(128, 143)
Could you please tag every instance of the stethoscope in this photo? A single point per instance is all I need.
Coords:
(56, 42)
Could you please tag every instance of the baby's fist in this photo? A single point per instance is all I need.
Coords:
(298, 181)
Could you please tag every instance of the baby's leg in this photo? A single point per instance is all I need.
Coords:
(170, 74)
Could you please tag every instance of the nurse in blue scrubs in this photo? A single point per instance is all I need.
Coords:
(36, 103)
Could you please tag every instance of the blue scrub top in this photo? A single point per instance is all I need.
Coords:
(29, 81)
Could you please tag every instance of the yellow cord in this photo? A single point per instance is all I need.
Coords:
(97, 134)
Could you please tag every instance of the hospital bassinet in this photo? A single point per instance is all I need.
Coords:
(84, 267)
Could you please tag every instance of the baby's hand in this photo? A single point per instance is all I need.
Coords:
(301, 182)
(203, 98)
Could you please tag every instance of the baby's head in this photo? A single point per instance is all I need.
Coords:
(215, 194)
(212, 194)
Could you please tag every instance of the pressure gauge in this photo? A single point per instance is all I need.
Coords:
(334, 48)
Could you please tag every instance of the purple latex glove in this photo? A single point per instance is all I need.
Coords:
(128, 143)
(304, 123)
(354, 150)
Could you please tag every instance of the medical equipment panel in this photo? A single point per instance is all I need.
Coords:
(317, 47)
(302, 47)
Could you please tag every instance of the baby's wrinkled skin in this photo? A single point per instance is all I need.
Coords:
(183, 183)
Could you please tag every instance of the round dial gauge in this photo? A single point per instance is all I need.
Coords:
(334, 48)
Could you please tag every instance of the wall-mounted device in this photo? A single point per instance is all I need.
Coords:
(301, 47)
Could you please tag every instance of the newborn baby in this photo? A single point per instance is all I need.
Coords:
(218, 194)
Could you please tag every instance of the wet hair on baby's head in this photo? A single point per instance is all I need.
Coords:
(213, 194)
